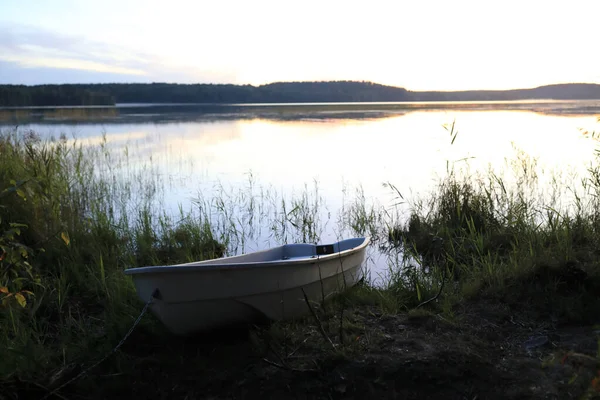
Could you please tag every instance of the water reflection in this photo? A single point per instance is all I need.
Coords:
(410, 150)
(169, 113)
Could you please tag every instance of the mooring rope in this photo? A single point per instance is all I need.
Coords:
(88, 369)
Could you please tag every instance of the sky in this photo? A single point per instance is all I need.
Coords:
(416, 44)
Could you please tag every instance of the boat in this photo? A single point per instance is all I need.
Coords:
(274, 284)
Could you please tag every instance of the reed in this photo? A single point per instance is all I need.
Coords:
(69, 226)
(508, 233)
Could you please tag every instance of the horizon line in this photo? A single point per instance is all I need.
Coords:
(302, 81)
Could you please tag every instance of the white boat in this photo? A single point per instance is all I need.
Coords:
(271, 283)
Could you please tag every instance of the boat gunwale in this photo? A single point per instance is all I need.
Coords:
(199, 266)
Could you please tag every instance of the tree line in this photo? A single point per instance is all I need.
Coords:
(52, 95)
(281, 92)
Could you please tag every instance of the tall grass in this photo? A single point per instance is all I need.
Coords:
(255, 213)
(508, 233)
(69, 227)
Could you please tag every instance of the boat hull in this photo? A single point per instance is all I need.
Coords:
(213, 294)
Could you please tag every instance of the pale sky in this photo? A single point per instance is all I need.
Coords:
(417, 44)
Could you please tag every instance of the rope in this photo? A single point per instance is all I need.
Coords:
(88, 369)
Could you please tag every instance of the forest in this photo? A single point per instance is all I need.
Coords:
(280, 92)
(52, 95)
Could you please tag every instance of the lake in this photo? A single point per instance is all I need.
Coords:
(332, 152)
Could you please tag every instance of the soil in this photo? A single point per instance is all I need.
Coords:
(487, 351)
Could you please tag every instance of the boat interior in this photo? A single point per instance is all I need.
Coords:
(287, 252)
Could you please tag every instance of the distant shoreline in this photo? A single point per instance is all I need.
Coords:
(316, 93)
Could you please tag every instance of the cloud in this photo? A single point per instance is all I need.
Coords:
(70, 63)
(27, 48)
(15, 73)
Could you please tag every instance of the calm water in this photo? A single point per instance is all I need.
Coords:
(340, 147)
